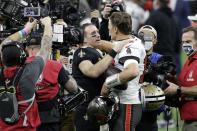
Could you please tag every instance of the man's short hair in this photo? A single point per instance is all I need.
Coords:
(122, 21)
(34, 40)
(84, 26)
(191, 28)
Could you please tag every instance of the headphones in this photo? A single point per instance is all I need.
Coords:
(17, 44)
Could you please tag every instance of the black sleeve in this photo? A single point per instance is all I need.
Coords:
(63, 76)
(95, 21)
(30, 76)
(103, 30)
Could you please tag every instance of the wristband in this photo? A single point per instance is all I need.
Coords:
(20, 33)
(26, 31)
(112, 53)
(179, 91)
(112, 81)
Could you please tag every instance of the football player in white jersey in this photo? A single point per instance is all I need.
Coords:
(131, 63)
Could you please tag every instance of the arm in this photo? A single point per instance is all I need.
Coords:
(189, 90)
(71, 85)
(95, 70)
(46, 42)
(29, 77)
(67, 81)
(103, 30)
(172, 90)
(129, 73)
(107, 45)
(16, 36)
(131, 68)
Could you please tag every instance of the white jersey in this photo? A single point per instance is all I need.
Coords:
(132, 52)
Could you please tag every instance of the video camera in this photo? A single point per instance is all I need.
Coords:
(66, 10)
(157, 72)
(116, 7)
(66, 36)
(20, 12)
(68, 103)
(12, 10)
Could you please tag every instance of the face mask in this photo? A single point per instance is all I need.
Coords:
(189, 50)
(148, 45)
(148, 41)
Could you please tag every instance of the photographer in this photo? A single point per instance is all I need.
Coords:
(188, 89)
(130, 61)
(149, 37)
(103, 30)
(47, 88)
(13, 59)
(88, 70)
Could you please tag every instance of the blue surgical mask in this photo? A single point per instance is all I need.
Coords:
(189, 50)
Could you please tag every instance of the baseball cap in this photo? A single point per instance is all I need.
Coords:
(193, 17)
(149, 28)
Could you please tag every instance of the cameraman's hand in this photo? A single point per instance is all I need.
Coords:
(46, 21)
(61, 22)
(30, 25)
(171, 89)
(106, 11)
(95, 14)
(120, 44)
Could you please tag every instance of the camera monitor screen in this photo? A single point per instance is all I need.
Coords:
(32, 11)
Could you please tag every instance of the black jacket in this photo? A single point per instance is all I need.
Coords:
(167, 32)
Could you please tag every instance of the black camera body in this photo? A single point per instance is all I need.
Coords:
(12, 10)
(157, 71)
(69, 102)
(66, 36)
(70, 13)
(116, 7)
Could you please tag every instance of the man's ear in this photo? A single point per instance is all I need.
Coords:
(154, 42)
(116, 29)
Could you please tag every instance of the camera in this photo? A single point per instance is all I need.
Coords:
(116, 7)
(69, 102)
(157, 71)
(12, 10)
(70, 13)
(66, 36)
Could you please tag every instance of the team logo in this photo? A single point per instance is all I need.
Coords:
(190, 76)
(81, 54)
(128, 51)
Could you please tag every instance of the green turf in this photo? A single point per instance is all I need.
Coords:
(180, 122)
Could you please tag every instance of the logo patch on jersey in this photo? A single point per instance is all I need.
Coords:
(128, 51)
(81, 54)
(190, 76)
(40, 78)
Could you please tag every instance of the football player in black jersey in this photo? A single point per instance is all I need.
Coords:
(88, 70)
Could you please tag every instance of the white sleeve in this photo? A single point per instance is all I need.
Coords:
(127, 62)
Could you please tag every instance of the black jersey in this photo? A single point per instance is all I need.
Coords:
(92, 85)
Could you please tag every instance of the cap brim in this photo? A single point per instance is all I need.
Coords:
(192, 17)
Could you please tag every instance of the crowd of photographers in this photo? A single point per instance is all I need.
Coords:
(112, 72)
